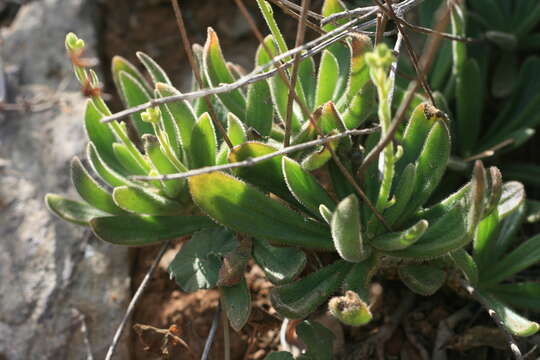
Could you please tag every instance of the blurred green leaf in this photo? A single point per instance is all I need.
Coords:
(156, 72)
(145, 202)
(134, 230)
(90, 190)
(73, 211)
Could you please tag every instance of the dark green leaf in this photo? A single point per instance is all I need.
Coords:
(72, 211)
(280, 264)
(196, 266)
(145, 202)
(517, 325)
(423, 279)
(236, 301)
(318, 339)
(134, 230)
(299, 299)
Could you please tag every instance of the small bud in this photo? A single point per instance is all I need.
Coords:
(73, 43)
(382, 57)
(350, 309)
(151, 115)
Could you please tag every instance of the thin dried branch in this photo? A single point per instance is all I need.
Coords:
(300, 34)
(309, 115)
(297, 8)
(308, 49)
(259, 159)
(134, 300)
(287, 10)
(189, 53)
(211, 334)
(402, 7)
(514, 348)
(389, 11)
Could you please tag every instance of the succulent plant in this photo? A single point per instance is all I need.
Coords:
(275, 210)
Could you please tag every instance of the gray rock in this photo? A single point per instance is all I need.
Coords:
(51, 273)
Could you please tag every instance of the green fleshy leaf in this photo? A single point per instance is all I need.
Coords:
(280, 264)
(134, 230)
(431, 165)
(156, 72)
(325, 213)
(400, 240)
(237, 135)
(403, 193)
(120, 64)
(218, 73)
(182, 114)
(420, 123)
(135, 94)
(299, 299)
(163, 165)
(105, 172)
(145, 202)
(358, 279)
(100, 134)
(279, 355)
(422, 279)
(203, 148)
(522, 295)
(308, 79)
(89, 189)
(527, 254)
(470, 104)
(319, 157)
(73, 211)
(245, 209)
(305, 187)
(196, 266)
(318, 339)
(463, 261)
(327, 78)
(236, 302)
(127, 160)
(361, 107)
(447, 234)
(515, 323)
(259, 108)
(266, 175)
(347, 230)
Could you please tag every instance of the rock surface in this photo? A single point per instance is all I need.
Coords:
(51, 273)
